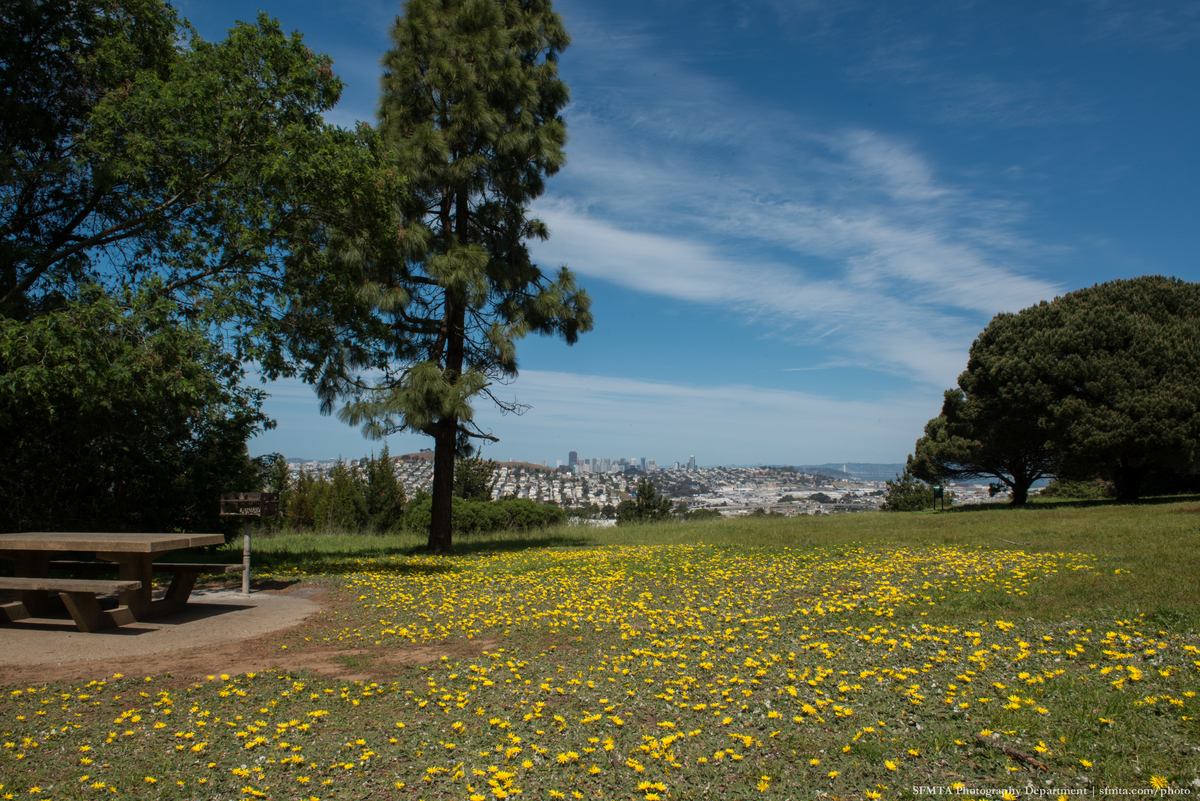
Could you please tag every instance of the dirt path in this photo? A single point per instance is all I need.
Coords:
(221, 632)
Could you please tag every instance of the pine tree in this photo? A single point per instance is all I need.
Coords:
(299, 512)
(342, 505)
(649, 505)
(385, 494)
(470, 112)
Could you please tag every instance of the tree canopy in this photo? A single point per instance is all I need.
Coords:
(115, 417)
(1098, 383)
(981, 435)
(135, 155)
(158, 191)
(469, 116)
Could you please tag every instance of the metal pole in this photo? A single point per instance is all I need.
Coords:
(246, 556)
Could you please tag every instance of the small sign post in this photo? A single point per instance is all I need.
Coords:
(248, 505)
(939, 494)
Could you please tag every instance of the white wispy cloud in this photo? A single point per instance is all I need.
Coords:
(803, 229)
(620, 417)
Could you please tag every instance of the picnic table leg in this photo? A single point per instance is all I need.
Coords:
(135, 567)
(32, 603)
(88, 616)
(178, 593)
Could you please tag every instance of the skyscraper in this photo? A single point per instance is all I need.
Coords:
(692, 463)
(572, 458)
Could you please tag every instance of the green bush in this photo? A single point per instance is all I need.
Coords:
(479, 517)
(907, 494)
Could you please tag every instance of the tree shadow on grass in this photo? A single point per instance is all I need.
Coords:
(315, 561)
(318, 561)
(1068, 503)
(468, 544)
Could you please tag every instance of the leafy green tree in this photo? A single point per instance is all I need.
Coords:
(139, 163)
(135, 155)
(648, 505)
(907, 493)
(984, 430)
(113, 415)
(473, 479)
(469, 114)
(1105, 378)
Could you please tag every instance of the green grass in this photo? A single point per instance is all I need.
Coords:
(846, 656)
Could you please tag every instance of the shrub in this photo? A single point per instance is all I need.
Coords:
(479, 517)
(907, 494)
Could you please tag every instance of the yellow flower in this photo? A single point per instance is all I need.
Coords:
(1159, 783)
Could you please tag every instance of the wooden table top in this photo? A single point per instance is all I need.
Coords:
(102, 542)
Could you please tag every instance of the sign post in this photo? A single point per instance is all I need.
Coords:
(248, 505)
(938, 493)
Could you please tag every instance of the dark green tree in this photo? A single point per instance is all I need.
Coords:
(113, 415)
(469, 114)
(473, 479)
(341, 503)
(1126, 382)
(299, 512)
(1103, 383)
(647, 506)
(984, 430)
(385, 494)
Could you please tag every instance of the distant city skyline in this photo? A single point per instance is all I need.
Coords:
(793, 269)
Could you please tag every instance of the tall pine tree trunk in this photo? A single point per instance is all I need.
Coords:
(446, 439)
(442, 509)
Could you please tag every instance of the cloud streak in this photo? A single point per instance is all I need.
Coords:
(802, 230)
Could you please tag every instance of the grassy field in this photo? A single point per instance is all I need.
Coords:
(1050, 650)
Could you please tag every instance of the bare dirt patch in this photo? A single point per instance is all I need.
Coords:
(292, 649)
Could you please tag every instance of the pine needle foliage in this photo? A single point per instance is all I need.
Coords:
(470, 116)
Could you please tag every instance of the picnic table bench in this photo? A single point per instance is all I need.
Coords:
(183, 574)
(131, 555)
(80, 596)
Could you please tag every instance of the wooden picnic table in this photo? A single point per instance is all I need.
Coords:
(133, 556)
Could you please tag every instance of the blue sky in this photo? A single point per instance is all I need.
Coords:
(794, 217)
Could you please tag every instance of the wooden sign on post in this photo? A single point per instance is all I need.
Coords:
(248, 505)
